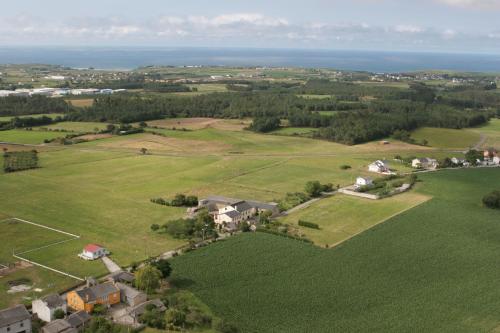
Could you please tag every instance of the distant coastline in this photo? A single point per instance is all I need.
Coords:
(126, 58)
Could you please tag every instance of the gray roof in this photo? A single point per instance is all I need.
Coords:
(98, 291)
(127, 290)
(79, 318)
(138, 310)
(58, 326)
(232, 201)
(13, 315)
(242, 206)
(263, 205)
(53, 301)
(122, 276)
(232, 214)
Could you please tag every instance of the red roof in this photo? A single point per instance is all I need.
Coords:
(92, 247)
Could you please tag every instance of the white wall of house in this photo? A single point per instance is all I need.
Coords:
(43, 312)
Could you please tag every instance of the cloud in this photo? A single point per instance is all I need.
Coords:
(476, 4)
(236, 29)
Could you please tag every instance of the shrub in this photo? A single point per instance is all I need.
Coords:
(308, 224)
(59, 314)
(345, 167)
(492, 200)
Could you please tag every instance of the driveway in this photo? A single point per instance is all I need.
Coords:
(111, 265)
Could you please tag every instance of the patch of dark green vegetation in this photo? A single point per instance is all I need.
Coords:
(396, 277)
(20, 160)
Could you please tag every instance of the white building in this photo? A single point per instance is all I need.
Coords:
(363, 181)
(424, 163)
(93, 252)
(496, 160)
(15, 320)
(45, 307)
(229, 217)
(379, 167)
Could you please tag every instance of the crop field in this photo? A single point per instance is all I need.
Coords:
(81, 102)
(446, 138)
(27, 137)
(342, 217)
(398, 276)
(77, 127)
(200, 123)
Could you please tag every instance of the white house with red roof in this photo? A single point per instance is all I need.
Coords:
(93, 252)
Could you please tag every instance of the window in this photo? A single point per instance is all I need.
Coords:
(22, 325)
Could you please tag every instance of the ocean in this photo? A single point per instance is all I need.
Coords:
(133, 57)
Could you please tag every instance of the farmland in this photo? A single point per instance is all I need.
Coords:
(404, 271)
(446, 138)
(27, 137)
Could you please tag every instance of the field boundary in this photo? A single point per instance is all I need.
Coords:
(18, 255)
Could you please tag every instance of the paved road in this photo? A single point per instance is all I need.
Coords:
(111, 265)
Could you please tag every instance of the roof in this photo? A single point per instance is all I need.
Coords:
(367, 179)
(232, 201)
(139, 309)
(92, 247)
(79, 318)
(232, 214)
(90, 294)
(53, 300)
(127, 290)
(59, 326)
(13, 315)
(122, 276)
(242, 206)
(380, 163)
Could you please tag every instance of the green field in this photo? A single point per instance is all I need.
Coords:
(295, 131)
(28, 137)
(433, 268)
(77, 127)
(491, 132)
(342, 217)
(446, 138)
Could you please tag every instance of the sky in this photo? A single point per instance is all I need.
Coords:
(470, 26)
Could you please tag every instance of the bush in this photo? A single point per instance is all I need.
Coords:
(308, 224)
(225, 327)
(59, 314)
(155, 227)
(345, 167)
(492, 200)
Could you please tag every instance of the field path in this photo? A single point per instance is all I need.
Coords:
(111, 265)
(481, 142)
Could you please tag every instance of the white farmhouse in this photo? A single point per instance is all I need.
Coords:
(45, 307)
(379, 167)
(496, 160)
(93, 252)
(424, 163)
(363, 181)
(230, 216)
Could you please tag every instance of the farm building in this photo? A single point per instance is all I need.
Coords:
(121, 276)
(78, 319)
(135, 312)
(490, 153)
(229, 213)
(85, 299)
(424, 163)
(379, 167)
(59, 326)
(131, 296)
(363, 181)
(93, 252)
(15, 320)
(45, 307)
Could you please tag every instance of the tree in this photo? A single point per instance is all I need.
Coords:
(313, 189)
(148, 278)
(155, 227)
(99, 310)
(59, 314)
(175, 317)
(492, 200)
(473, 155)
(144, 151)
(164, 267)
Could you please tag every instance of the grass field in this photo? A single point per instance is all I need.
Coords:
(433, 268)
(295, 131)
(492, 133)
(27, 137)
(342, 217)
(81, 102)
(446, 138)
(77, 127)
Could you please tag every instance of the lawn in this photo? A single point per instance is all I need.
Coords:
(28, 137)
(341, 217)
(433, 268)
(446, 138)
